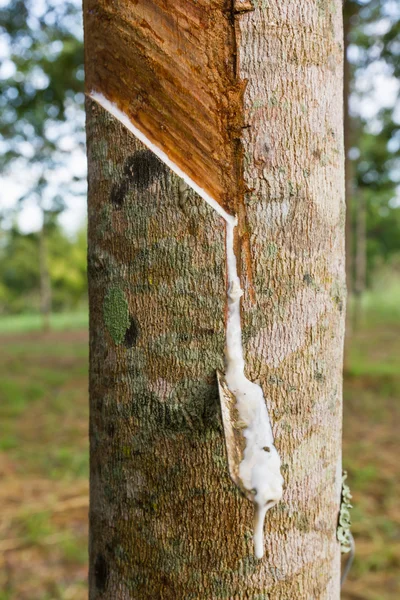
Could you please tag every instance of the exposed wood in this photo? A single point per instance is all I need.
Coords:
(234, 441)
(241, 6)
(170, 65)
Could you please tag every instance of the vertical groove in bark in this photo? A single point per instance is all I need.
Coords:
(165, 519)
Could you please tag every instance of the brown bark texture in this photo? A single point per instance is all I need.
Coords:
(166, 521)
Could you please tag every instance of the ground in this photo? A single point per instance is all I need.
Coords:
(371, 457)
(43, 466)
(44, 462)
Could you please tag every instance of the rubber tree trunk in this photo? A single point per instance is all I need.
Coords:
(165, 519)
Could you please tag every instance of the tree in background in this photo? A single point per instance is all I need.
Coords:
(41, 123)
(372, 36)
(41, 85)
(21, 281)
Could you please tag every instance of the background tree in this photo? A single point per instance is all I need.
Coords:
(372, 37)
(41, 111)
(20, 290)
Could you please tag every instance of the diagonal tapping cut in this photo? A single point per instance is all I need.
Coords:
(259, 475)
(125, 120)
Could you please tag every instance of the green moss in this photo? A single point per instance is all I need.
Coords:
(271, 250)
(116, 314)
(100, 149)
(248, 565)
(273, 100)
(275, 380)
(309, 280)
(104, 220)
(257, 104)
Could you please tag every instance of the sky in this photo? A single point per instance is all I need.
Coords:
(30, 217)
(68, 180)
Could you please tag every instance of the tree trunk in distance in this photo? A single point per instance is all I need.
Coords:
(360, 259)
(348, 12)
(45, 283)
(165, 519)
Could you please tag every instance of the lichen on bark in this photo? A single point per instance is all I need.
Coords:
(116, 314)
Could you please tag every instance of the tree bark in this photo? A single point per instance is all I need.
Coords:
(165, 519)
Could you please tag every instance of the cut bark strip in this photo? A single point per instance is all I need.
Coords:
(234, 441)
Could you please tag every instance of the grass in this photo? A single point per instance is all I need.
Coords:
(44, 457)
(382, 304)
(370, 447)
(34, 322)
(43, 464)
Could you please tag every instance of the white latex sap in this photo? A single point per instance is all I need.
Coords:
(260, 467)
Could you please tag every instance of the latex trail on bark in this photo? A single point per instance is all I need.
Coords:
(257, 471)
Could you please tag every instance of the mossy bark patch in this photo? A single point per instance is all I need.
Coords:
(116, 314)
(140, 171)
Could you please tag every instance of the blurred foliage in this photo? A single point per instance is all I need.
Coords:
(41, 87)
(41, 98)
(41, 128)
(19, 266)
(374, 54)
